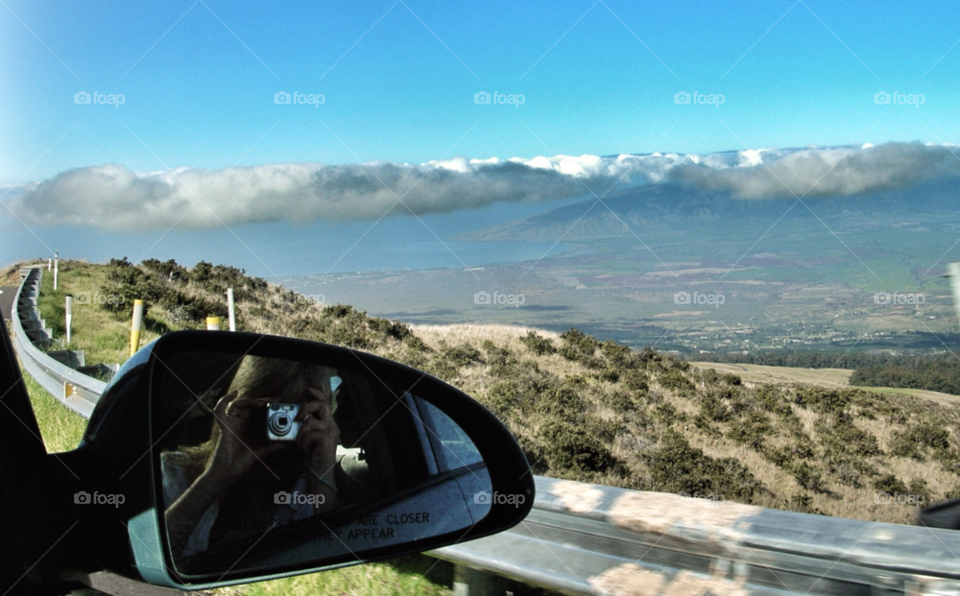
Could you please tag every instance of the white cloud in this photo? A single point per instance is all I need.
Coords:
(114, 197)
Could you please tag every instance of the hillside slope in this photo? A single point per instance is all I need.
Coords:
(594, 411)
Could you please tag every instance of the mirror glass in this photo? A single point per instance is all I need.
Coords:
(267, 463)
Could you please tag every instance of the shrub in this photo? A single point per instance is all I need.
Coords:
(889, 483)
(731, 379)
(635, 380)
(677, 466)
(618, 355)
(807, 477)
(462, 355)
(579, 347)
(824, 401)
(394, 329)
(169, 270)
(674, 379)
(571, 448)
(538, 344)
(843, 436)
(750, 431)
(563, 401)
(911, 442)
(714, 409)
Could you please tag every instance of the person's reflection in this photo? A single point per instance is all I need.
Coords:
(241, 482)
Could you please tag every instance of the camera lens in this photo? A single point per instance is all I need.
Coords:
(279, 424)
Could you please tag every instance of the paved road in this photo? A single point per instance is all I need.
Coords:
(6, 300)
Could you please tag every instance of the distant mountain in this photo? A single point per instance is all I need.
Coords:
(674, 206)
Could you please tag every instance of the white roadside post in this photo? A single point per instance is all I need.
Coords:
(49, 264)
(69, 315)
(953, 272)
(233, 309)
(213, 323)
(56, 269)
(135, 326)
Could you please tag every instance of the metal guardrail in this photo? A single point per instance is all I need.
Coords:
(75, 390)
(591, 539)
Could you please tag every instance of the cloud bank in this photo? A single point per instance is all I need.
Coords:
(113, 197)
(838, 171)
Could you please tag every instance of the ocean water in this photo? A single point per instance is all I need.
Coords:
(279, 249)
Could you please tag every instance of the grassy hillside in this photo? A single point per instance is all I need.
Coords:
(829, 378)
(597, 411)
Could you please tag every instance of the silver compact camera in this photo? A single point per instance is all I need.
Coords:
(282, 424)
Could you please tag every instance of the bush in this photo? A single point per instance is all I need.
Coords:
(462, 355)
(807, 477)
(912, 441)
(843, 437)
(636, 380)
(394, 329)
(674, 379)
(889, 483)
(823, 401)
(563, 401)
(169, 270)
(538, 344)
(571, 448)
(678, 467)
(579, 347)
(751, 431)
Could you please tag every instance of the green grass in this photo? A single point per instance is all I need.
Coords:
(102, 337)
(399, 577)
(60, 428)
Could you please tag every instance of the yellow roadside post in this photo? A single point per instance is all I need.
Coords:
(135, 327)
(213, 323)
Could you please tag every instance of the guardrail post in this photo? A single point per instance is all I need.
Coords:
(473, 582)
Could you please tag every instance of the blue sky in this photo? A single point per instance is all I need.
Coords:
(399, 79)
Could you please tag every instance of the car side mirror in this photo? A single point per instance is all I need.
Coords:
(268, 456)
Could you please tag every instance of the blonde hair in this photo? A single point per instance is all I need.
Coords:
(284, 381)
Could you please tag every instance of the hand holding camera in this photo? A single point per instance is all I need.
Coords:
(254, 429)
(239, 445)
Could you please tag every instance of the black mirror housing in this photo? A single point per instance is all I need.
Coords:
(421, 447)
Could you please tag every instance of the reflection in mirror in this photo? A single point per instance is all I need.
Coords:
(268, 463)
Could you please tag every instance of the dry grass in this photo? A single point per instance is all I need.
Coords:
(526, 388)
(828, 378)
